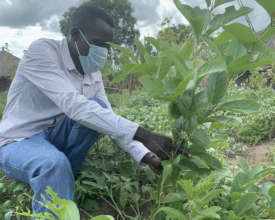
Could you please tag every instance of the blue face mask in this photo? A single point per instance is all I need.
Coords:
(95, 59)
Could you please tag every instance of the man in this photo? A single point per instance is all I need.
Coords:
(57, 108)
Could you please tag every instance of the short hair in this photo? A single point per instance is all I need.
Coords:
(88, 13)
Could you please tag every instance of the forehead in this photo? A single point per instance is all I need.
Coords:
(100, 31)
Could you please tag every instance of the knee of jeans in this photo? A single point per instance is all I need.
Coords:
(99, 101)
(54, 163)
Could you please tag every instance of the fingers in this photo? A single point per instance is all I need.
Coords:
(155, 165)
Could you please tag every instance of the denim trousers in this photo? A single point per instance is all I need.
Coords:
(50, 158)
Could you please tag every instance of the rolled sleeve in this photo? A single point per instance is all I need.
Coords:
(39, 67)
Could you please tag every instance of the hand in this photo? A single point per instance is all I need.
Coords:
(154, 162)
(159, 144)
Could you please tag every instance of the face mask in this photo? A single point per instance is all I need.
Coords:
(95, 59)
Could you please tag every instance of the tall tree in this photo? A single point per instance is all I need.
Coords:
(120, 11)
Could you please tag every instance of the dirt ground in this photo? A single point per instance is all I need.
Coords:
(256, 155)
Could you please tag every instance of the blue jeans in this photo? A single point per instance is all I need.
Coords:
(49, 158)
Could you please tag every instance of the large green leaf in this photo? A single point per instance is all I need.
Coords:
(243, 164)
(200, 137)
(221, 2)
(230, 14)
(241, 32)
(247, 62)
(187, 49)
(223, 38)
(171, 212)
(213, 66)
(198, 18)
(268, 5)
(216, 88)
(72, 212)
(268, 33)
(210, 160)
(164, 66)
(153, 86)
(245, 203)
(241, 106)
(236, 49)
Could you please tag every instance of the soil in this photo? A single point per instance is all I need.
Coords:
(255, 155)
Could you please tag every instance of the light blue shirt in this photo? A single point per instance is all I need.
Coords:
(47, 87)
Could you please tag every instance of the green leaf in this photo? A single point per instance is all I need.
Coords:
(210, 160)
(141, 50)
(199, 162)
(221, 2)
(171, 212)
(153, 86)
(164, 66)
(181, 88)
(245, 203)
(236, 49)
(188, 187)
(209, 197)
(103, 217)
(211, 212)
(230, 14)
(175, 197)
(223, 38)
(268, 33)
(154, 42)
(217, 87)
(246, 62)
(198, 18)
(271, 193)
(240, 106)
(187, 49)
(258, 177)
(243, 164)
(241, 32)
(166, 173)
(200, 137)
(268, 5)
(72, 212)
(213, 66)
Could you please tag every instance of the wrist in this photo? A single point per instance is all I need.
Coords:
(141, 134)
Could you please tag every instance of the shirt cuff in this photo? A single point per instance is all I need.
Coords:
(135, 148)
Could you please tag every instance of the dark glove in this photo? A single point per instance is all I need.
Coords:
(154, 162)
(159, 144)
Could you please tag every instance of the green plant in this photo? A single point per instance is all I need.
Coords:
(59, 208)
(171, 74)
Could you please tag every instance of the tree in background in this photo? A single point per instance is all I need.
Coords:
(120, 11)
(173, 33)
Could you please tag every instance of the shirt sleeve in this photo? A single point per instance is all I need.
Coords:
(135, 148)
(39, 67)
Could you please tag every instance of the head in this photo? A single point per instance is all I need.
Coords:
(91, 23)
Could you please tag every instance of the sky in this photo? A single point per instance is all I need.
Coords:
(23, 21)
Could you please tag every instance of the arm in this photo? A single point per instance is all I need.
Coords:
(40, 68)
(135, 148)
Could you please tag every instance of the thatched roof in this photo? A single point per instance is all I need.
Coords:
(8, 63)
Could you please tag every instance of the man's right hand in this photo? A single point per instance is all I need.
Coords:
(154, 162)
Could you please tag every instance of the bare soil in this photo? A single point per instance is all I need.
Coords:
(257, 155)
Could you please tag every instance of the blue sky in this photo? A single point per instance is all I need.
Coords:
(23, 21)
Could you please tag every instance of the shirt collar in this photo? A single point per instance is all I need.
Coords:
(68, 62)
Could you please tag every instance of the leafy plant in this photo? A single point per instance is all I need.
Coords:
(169, 73)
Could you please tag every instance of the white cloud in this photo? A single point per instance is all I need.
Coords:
(20, 39)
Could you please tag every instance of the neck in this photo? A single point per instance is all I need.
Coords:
(75, 57)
